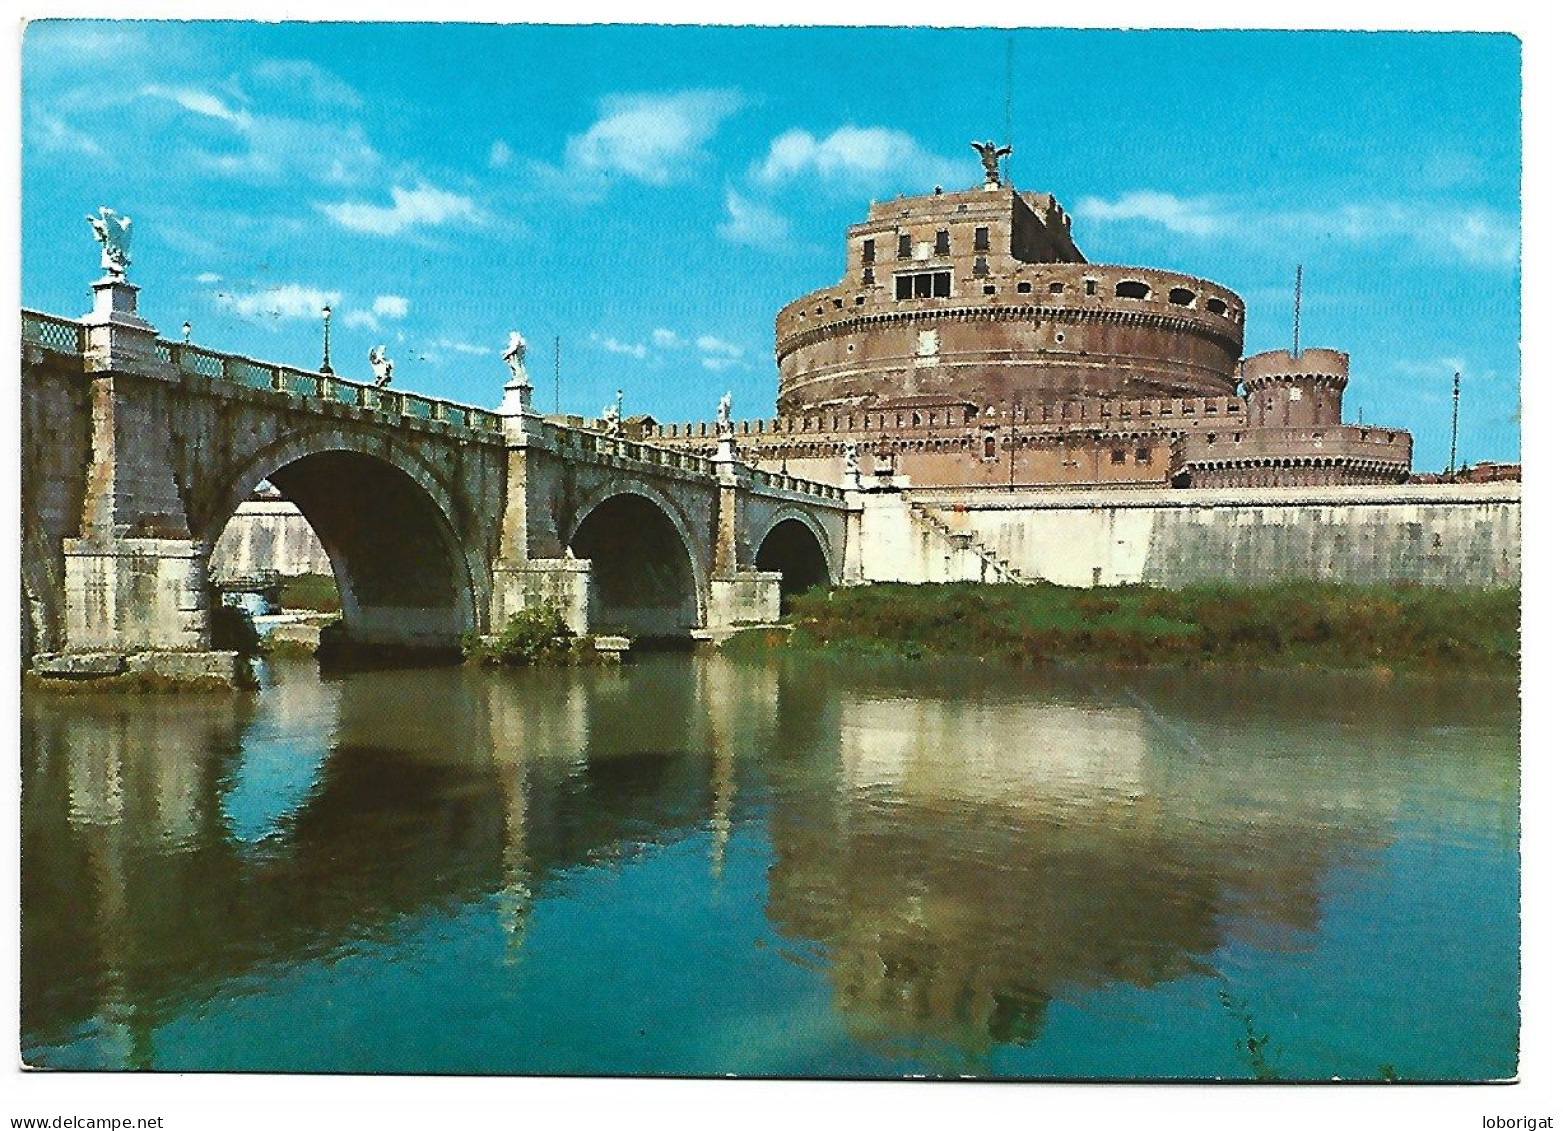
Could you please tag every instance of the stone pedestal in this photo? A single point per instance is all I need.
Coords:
(745, 597)
(136, 594)
(564, 583)
(118, 338)
(517, 400)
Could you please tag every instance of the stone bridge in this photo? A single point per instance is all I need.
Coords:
(440, 519)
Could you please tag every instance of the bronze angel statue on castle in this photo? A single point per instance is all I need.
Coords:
(990, 155)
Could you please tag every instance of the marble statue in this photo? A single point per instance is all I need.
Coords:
(990, 155)
(724, 413)
(515, 357)
(610, 418)
(381, 366)
(854, 468)
(112, 231)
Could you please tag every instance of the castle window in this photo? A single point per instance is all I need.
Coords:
(923, 284)
(980, 268)
(980, 240)
(941, 243)
(1132, 288)
(1090, 286)
(903, 248)
(868, 281)
(837, 301)
(990, 446)
(868, 251)
(917, 418)
(1216, 306)
(989, 289)
(1142, 455)
(1023, 288)
(1118, 455)
(1055, 288)
(1181, 296)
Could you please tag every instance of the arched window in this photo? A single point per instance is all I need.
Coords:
(1215, 306)
(990, 448)
(1132, 288)
(1181, 296)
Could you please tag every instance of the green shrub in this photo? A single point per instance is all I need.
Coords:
(531, 636)
(312, 592)
(234, 631)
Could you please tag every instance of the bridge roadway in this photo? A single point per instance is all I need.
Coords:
(439, 518)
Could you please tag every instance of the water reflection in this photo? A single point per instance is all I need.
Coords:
(951, 851)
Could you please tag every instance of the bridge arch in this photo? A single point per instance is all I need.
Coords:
(796, 545)
(646, 571)
(389, 525)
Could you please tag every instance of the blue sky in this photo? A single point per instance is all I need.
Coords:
(652, 195)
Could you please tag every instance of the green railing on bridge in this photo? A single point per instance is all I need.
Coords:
(58, 335)
(63, 335)
(67, 336)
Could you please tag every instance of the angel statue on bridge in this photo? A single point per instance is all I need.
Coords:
(724, 414)
(112, 230)
(515, 357)
(381, 366)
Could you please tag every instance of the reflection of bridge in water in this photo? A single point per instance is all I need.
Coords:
(949, 891)
(439, 518)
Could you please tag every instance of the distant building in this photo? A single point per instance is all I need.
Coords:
(970, 343)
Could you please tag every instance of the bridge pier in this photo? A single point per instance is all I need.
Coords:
(136, 594)
(738, 596)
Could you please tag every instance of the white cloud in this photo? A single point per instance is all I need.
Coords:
(275, 147)
(629, 349)
(710, 344)
(422, 206)
(390, 306)
(291, 301)
(856, 157)
(713, 352)
(300, 79)
(54, 134)
(650, 138)
(465, 347)
(199, 102)
(361, 319)
(499, 155)
(1473, 235)
(753, 223)
(1189, 217)
(207, 278)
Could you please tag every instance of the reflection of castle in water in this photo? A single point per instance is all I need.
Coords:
(975, 860)
(961, 861)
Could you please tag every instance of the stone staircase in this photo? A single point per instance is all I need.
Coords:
(994, 569)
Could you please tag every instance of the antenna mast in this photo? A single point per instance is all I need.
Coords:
(1297, 316)
(1454, 424)
(1009, 97)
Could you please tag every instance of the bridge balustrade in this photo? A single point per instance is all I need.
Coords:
(59, 335)
(69, 336)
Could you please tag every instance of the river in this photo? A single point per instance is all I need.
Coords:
(804, 868)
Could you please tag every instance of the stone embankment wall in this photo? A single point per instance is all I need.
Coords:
(1439, 534)
(266, 535)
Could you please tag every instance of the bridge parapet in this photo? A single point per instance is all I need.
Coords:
(66, 336)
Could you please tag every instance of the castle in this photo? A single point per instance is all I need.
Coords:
(971, 344)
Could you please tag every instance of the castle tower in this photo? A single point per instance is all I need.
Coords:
(1284, 391)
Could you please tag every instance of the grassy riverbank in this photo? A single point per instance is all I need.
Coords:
(1291, 624)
